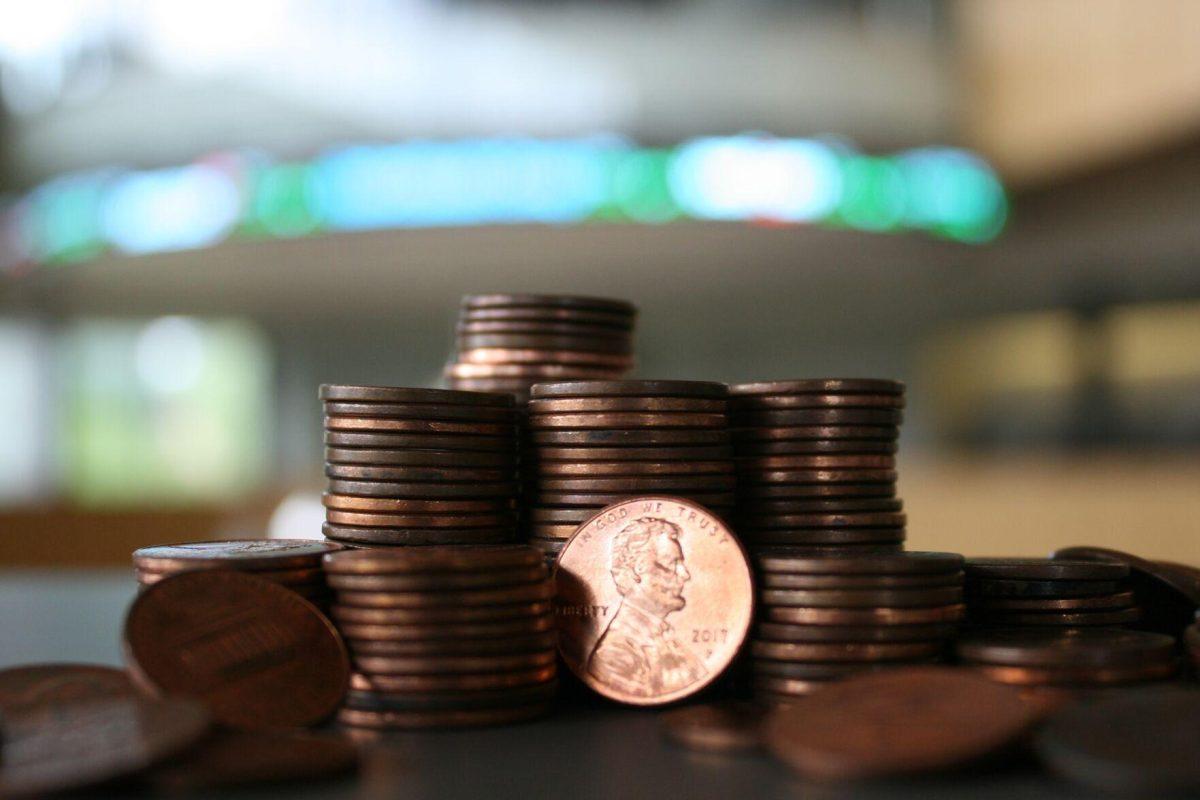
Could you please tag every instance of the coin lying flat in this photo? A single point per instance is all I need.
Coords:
(819, 386)
(648, 437)
(422, 491)
(332, 392)
(450, 682)
(676, 483)
(242, 554)
(1123, 616)
(574, 302)
(866, 616)
(754, 433)
(533, 365)
(630, 420)
(419, 458)
(347, 609)
(432, 559)
(488, 633)
(507, 697)
(544, 456)
(362, 535)
(808, 446)
(185, 635)
(424, 648)
(440, 719)
(575, 405)
(601, 330)
(550, 469)
(1077, 677)
(499, 596)
(426, 411)
(435, 441)
(818, 505)
(1044, 569)
(829, 536)
(631, 388)
(913, 562)
(817, 416)
(598, 500)
(361, 472)
(859, 520)
(784, 401)
(440, 665)
(811, 462)
(512, 355)
(621, 322)
(1104, 602)
(781, 632)
(284, 577)
(1050, 648)
(844, 651)
(43, 688)
(904, 721)
(1002, 587)
(1169, 597)
(390, 505)
(338, 517)
(714, 727)
(863, 598)
(416, 426)
(436, 581)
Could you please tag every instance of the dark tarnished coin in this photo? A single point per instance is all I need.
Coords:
(333, 392)
(339, 517)
(817, 670)
(1140, 741)
(358, 472)
(626, 420)
(817, 416)
(714, 727)
(785, 536)
(427, 560)
(188, 634)
(446, 701)
(844, 651)
(781, 632)
(523, 593)
(998, 587)
(1078, 678)
(594, 405)
(1095, 647)
(550, 455)
(1044, 569)
(906, 721)
(417, 426)
(237, 554)
(428, 490)
(864, 616)
(439, 665)
(534, 341)
(753, 449)
(502, 645)
(915, 562)
(603, 330)
(630, 388)
(93, 741)
(1124, 616)
(419, 458)
(852, 505)
(817, 462)
(819, 386)
(793, 580)
(418, 536)
(441, 633)
(606, 304)
(388, 505)
(422, 411)
(436, 441)
(462, 718)
(792, 491)
(451, 682)
(598, 500)
(786, 401)
(653, 437)
(529, 315)
(865, 520)
(44, 688)
(435, 582)
(550, 469)
(679, 483)
(756, 433)
(1104, 602)
(347, 610)
(819, 476)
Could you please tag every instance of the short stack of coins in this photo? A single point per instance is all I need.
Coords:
(419, 466)
(594, 443)
(294, 563)
(445, 636)
(1042, 592)
(821, 618)
(508, 342)
(816, 463)
(1072, 658)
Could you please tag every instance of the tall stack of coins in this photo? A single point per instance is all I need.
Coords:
(594, 443)
(1076, 658)
(825, 617)
(508, 342)
(1040, 592)
(419, 466)
(816, 463)
(445, 636)
(294, 563)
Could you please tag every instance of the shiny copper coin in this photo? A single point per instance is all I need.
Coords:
(546, 455)
(579, 302)
(338, 517)
(714, 727)
(997, 587)
(599, 500)
(792, 491)
(186, 635)
(788, 401)
(421, 411)
(780, 632)
(804, 432)
(438, 665)
(538, 341)
(388, 505)
(654, 600)
(575, 405)
(512, 355)
(631, 388)
(450, 634)
(1125, 616)
(1103, 602)
(239, 554)
(1044, 569)
(451, 682)
(631, 468)
(915, 720)
(427, 490)
(792, 580)
(346, 611)
(851, 505)
(817, 416)
(446, 701)
(619, 420)
(285, 577)
(561, 532)
(1066, 676)
(771, 477)
(914, 562)
(651, 437)
(45, 688)
(418, 536)
(865, 616)
(447, 442)
(816, 462)
(677, 483)
(92, 742)
(844, 651)
(881, 519)
(819, 386)
(830, 536)
(333, 392)
(417, 426)
(436, 582)
(524, 593)
(533, 372)
(432, 560)
(441, 719)
(419, 458)
(1094, 647)
(543, 642)
(751, 448)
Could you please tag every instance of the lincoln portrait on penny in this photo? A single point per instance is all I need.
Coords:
(639, 652)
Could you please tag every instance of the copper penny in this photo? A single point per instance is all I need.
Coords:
(915, 720)
(1123, 616)
(451, 682)
(860, 505)
(632, 420)
(361, 472)
(599, 500)
(1093, 647)
(285, 577)
(436, 581)
(524, 593)
(863, 598)
(789, 432)
(784, 536)
(446, 701)
(780, 689)
(440, 719)
(605, 330)
(819, 386)
(451, 442)
(617, 345)
(999, 587)
(783, 447)
(549, 455)
(333, 392)
(770, 477)
(513, 355)
(418, 458)
(787, 401)
(539, 301)
(792, 580)
(654, 600)
(714, 727)
(430, 491)
(882, 519)
(1044, 569)
(678, 483)
(844, 651)
(562, 532)
(437, 665)
(43, 688)
(783, 491)
(540, 315)
(421, 411)
(651, 437)
(575, 405)
(345, 611)
(389, 505)
(631, 388)
(452, 633)
(338, 517)
(552, 469)
(780, 632)
(811, 462)
(816, 670)
(817, 416)
(1168, 595)
(418, 426)
(240, 554)
(864, 616)
(531, 372)
(559, 516)
(432, 559)
(89, 742)
(505, 645)
(417, 536)
(187, 635)
(1065, 676)
(1101, 602)
(914, 562)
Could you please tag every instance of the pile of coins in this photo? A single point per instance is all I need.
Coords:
(594, 443)
(444, 636)
(293, 563)
(1074, 658)
(508, 342)
(419, 466)
(1041, 592)
(816, 463)
(825, 617)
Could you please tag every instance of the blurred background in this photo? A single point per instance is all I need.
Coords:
(209, 208)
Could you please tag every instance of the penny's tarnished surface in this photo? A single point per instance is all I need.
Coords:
(654, 600)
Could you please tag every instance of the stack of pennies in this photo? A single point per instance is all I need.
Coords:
(1043, 592)
(294, 563)
(1076, 658)
(595, 443)
(821, 618)
(419, 466)
(816, 463)
(508, 342)
(445, 636)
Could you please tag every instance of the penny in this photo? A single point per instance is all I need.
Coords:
(511, 355)
(346, 610)
(436, 581)
(557, 516)
(603, 330)
(432, 559)
(605, 304)
(884, 433)
(422, 411)
(770, 477)
(574, 405)
(752, 448)
(440, 719)
(445, 701)
(665, 419)
(437, 441)
(449, 634)
(419, 521)
(240, 554)
(1169, 597)
(811, 462)
(1103, 602)
(844, 651)
(1094, 647)
(631, 388)
(621, 322)
(388, 505)
(914, 562)
(881, 520)
(436, 665)
(186, 634)
(997, 587)
(784, 491)
(1044, 569)
(44, 688)
(859, 505)
(775, 690)
(522, 593)
(818, 416)
(1062, 618)
(375, 646)
(786, 580)
(801, 536)
(545, 341)
(451, 682)
(286, 577)
(332, 392)
(654, 437)
(417, 536)
(674, 483)
(781, 632)
(552, 370)
(864, 616)
(1065, 676)
(714, 727)
(90, 742)
(653, 607)
(786, 401)
(1141, 742)
(237, 759)
(418, 426)
(628, 468)
(548, 455)
(898, 722)
(819, 386)
(428, 490)
(599, 500)
(562, 532)
(419, 458)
